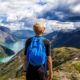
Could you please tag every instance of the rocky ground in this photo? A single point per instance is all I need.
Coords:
(66, 65)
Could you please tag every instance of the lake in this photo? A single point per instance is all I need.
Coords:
(16, 47)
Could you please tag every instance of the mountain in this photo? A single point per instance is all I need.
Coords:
(10, 69)
(67, 38)
(66, 63)
(23, 34)
(4, 29)
(51, 36)
(4, 52)
(62, 63)
(6, 36)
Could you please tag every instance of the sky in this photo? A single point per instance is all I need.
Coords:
(17, 14)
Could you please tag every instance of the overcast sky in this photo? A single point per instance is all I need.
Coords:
(59, 10)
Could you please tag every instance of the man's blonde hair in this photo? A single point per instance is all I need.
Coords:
(38, 28)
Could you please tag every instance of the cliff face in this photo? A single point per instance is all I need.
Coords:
(66, 63)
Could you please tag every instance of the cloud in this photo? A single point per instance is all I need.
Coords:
(21, 14)
(62, 10)
(76, 9)
(48, 9)
(24, 8)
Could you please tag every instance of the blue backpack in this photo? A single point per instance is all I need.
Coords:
(37, 52)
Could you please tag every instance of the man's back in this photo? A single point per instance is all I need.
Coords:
(38, 71)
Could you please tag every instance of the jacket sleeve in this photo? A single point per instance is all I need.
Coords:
(27, 43)
(48, 47)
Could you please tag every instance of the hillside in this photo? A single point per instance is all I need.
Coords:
(67, 39)
(4, 52)
(22, 34)
(66, 64)
(9, 70)
(68, 67)
(5, 29)
(6, 36)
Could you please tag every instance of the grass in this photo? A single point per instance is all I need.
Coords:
(58, 55)
(2, 54)
(77, 66)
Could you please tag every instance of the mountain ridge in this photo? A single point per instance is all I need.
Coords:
(6, 36)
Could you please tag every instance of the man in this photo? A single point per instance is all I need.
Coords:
(38, 72)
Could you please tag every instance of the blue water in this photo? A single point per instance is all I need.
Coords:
(16, 47)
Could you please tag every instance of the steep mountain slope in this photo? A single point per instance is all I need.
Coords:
(4, 52)
(52, 36)
(66, 64)
(9, 70)
(6, 36)
(69, 38)
(23, 34)
(14, 70)
(4, 29)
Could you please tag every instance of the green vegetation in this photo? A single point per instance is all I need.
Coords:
(4, 51)
(12, 68)
(2, 54)
(67, 66)
(64, 68)
(77, 66)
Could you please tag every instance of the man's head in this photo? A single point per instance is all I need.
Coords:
(38, 29)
